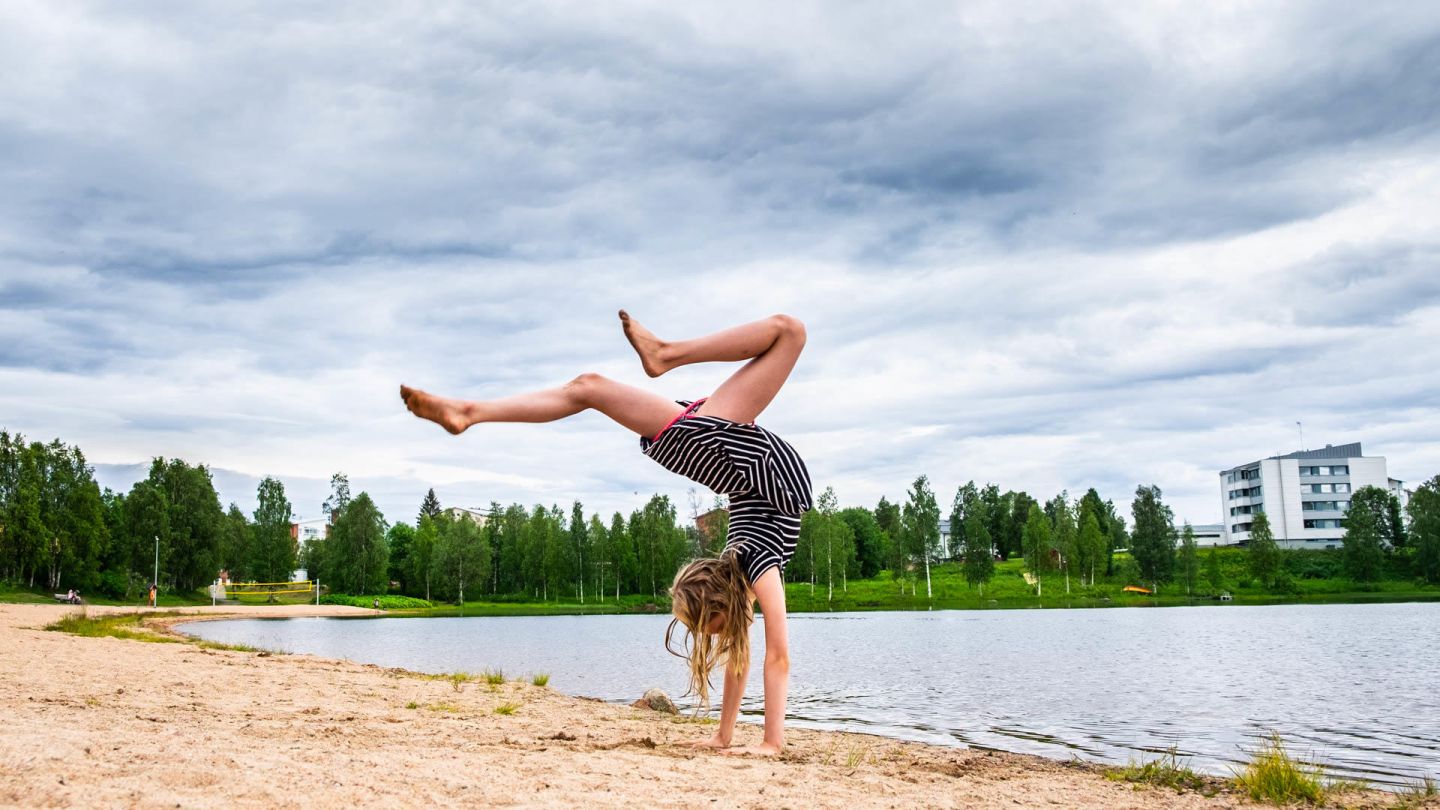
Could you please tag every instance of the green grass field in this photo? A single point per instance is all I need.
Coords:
(1009, 589)
(21, 595)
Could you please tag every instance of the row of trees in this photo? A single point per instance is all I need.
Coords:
(58, 529)
(538, 553)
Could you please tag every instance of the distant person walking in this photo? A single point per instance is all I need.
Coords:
(713, 441)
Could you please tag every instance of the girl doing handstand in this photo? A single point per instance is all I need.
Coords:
(713, 441)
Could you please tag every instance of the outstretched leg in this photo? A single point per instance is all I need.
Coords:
(774, 344)
(639, 410)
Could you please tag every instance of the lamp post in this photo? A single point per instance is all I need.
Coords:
(155, 581)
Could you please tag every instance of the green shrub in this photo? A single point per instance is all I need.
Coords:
(387, 602)
(1273, 776)
(540, 678)
(1165, 771)
(112, 584)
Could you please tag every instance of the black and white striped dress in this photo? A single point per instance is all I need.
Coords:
(765, 479)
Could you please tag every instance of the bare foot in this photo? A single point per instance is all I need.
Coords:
(447, 413)
(646, 345)
(714, 743)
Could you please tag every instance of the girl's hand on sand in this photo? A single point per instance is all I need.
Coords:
(714, 743)
(761, 750)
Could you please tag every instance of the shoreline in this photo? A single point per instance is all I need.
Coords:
(493, 609)
(122, 722)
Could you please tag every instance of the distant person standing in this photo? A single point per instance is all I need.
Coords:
(152, 595)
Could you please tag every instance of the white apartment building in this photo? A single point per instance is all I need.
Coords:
(1304, 494)
(476, 516)
(1207, 534)
(305, 532)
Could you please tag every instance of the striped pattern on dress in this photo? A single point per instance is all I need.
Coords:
(766, 480)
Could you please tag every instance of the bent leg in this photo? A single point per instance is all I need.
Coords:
(639, 410)
(747, 393)
(774, 343)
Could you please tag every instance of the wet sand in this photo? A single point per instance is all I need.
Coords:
(107, 722)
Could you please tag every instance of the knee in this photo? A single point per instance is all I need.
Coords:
(583, 388)
(790, 325)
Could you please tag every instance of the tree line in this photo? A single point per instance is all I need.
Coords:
(58, 529)
(540, 552)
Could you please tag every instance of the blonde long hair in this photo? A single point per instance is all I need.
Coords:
(702, 590)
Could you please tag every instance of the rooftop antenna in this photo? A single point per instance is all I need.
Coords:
(1302, 434)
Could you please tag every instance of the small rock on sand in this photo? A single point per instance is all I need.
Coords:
(657, 700)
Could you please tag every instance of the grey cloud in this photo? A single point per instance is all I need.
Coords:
(545, 132)
(460, 196)
(1367, 287)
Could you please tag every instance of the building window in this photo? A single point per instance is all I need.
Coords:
(1341, 487)
(1340, 470)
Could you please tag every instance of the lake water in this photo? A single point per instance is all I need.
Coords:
(1355, 687)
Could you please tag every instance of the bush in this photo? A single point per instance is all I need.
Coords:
(1127, 571)
(1273, 776)
(1306, 564)
(387, 602)
(112, 584)
(1284, 584)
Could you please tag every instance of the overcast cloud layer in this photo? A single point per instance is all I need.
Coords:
(1066, 246)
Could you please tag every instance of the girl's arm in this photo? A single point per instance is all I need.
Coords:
(729, 711)
(771, 593)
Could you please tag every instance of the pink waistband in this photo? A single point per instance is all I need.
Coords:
(688, 412)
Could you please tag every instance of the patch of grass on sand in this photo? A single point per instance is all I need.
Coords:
(694, 719)
(125, 625)
(1274, 776)
(1417, 794)
(507, 708)
(412, 705)
(494, 677)
(219, 645)
(857, 754)
(540, 678)
(458, 679)
(1167, 770)
(132, 626)
(443, 707)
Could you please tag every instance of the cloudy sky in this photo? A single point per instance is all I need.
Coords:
(1049, 245)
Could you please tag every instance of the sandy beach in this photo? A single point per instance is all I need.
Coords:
(108, 722)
